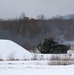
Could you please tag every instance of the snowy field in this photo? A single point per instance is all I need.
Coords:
(26, 63)
(19, 68)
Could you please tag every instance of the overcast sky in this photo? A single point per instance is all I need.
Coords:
(33, 8)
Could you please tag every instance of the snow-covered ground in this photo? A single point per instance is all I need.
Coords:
(9, 50)
(34, 69)
(32, 66)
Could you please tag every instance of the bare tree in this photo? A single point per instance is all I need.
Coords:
(21, 28)
(22, 15)
(41, 17)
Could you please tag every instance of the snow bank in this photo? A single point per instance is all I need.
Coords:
(10, 49)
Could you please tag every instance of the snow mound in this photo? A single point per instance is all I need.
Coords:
(10, 49)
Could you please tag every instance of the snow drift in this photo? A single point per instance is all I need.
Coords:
(10, 49)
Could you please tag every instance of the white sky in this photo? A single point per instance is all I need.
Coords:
(33, 8)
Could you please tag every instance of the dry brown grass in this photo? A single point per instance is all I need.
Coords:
(11, 57)
(71, 48)
(1, 59)
(58, 60)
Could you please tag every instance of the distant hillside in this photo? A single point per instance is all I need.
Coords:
(71, 16)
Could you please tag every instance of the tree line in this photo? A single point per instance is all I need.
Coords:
(28, 32)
